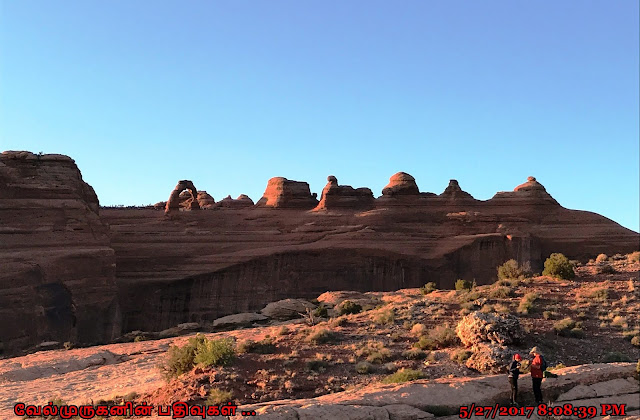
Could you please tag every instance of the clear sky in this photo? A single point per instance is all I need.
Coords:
(231, 93)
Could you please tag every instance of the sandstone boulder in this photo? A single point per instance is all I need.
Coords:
(237, 320)
(401, 183)
(478, 327)
(287, 309)
(284, 193)
(336, 196)
(333, 299)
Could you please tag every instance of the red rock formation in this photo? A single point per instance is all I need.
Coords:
(401, 183)
(57, 275)
(336, 196)
(453, 191)
(205, 200)
(209, 264)
(176, 197)
(283, 193)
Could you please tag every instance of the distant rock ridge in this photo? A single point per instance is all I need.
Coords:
(336, 196)
(243, 201)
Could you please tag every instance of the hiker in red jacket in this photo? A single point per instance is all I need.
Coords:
(537, 369)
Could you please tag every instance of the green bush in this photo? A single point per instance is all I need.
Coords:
(198, 350)
(218, 352)
(403, 375)
(463, 284)
(265, 346)
(217, 396)
(558, 266)
(414, 354)
(615, 356)
(321, 311)
(364, 368)
(511, 270)
(428, 288)
(348, 307)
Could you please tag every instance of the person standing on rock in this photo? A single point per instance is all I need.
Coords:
(537, 369)
(514, 372)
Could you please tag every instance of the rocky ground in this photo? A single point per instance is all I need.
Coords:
(335, 366)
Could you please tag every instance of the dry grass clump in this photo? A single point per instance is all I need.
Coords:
(526, 303)
(419, 329)
(460, 356)
(634, 257)
(567, 327)
(322, 336)
(385, 317)
(218, 396)
(374, 351)
(601, 258)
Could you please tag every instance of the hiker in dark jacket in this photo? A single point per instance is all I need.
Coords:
(514, 372)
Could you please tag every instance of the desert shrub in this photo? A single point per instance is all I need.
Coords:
(428, 288)
(217, 396)
(139, 338)
(615, 356)
(567, 327)
(403, 375)
(316, 365)
(385, 317)
(68, 345)
(217, 352)
(601, 258)
(500, 292)
(364, 368)
(322, 336)
(414, 354)
(526, 303)
(463, 284)
(180, 359)
(349, 307)
(635, 340)
(438, 338)
(265, 346)
(501, 309)
(548, 315)
(321, 311)
(460, 356)
(606, 269)
(374, 351)
(511, 270)
(634, 257)
(559, 266)
(486, 309)
(620, 322)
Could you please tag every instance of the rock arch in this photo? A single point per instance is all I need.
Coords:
(173, 204)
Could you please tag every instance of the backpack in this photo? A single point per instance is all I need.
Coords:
(543, 365)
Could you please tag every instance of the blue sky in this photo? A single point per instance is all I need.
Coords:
(231, 93)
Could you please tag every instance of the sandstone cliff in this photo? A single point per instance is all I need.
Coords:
(57, 280)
